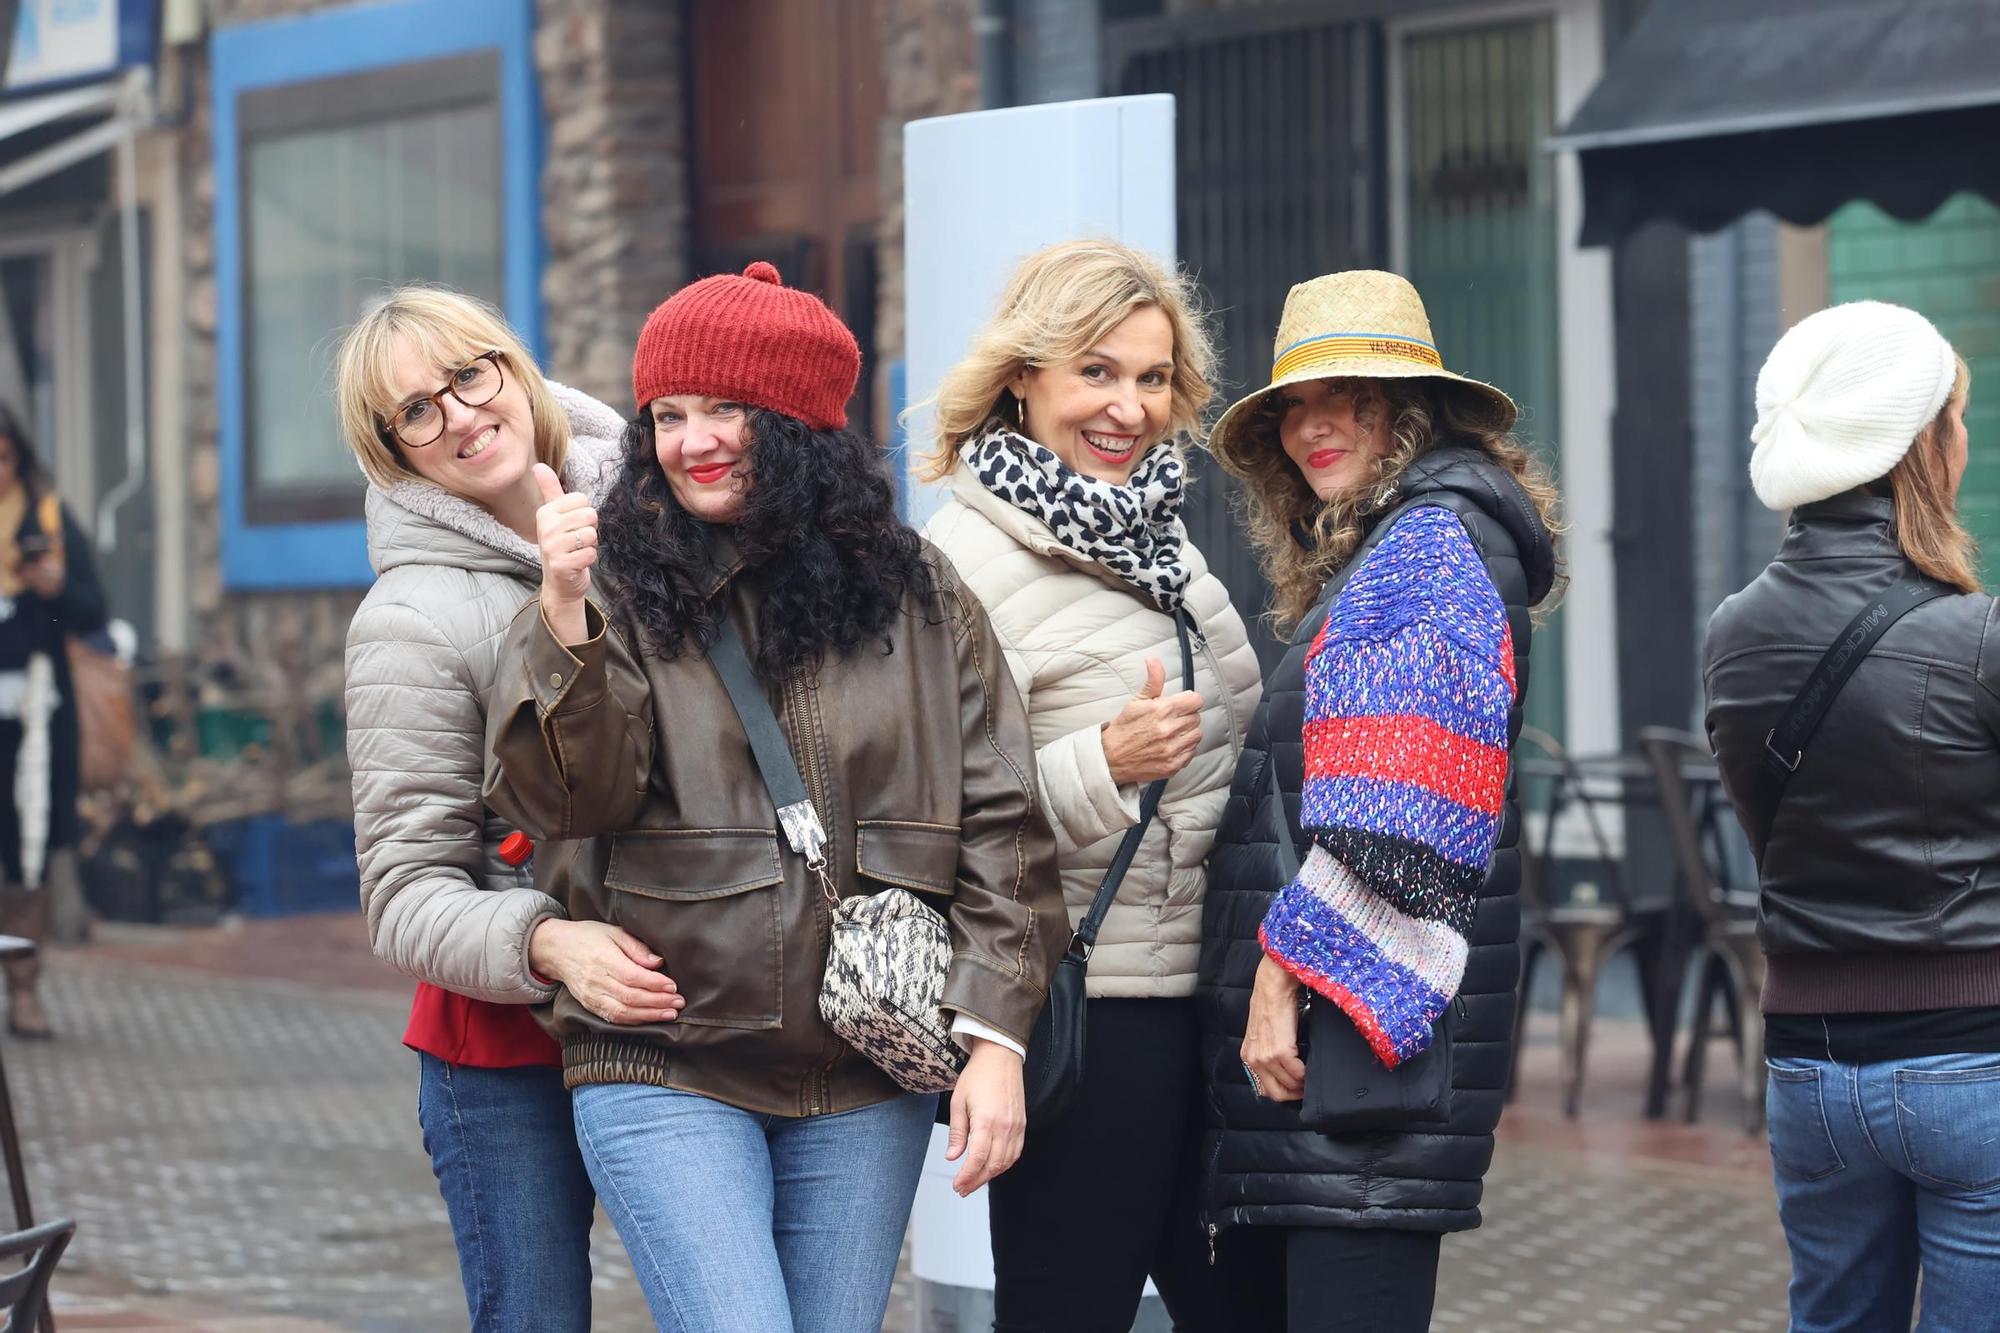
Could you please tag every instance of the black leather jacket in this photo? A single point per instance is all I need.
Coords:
(1264, 1168)
(1881, 880)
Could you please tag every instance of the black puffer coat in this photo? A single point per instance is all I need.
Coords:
(1265, 1169)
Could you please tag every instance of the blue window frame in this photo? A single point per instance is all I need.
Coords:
(435, 95)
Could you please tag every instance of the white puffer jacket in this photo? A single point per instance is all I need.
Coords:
(1077, 639)
(422, 653)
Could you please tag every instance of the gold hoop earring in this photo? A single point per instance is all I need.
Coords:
(1021, 413)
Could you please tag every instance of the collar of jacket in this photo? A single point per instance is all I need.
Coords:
(1854, 522)
(1021, 527)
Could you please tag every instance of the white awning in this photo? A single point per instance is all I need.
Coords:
(105, 113)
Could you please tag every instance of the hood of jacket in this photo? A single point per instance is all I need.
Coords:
(417, 522)
(1478, 477)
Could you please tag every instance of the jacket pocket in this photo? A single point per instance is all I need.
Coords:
(707, 901)
(920, 857)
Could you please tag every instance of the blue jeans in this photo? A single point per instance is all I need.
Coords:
(738, 1222)
(1884, 1171)
(503, 1148)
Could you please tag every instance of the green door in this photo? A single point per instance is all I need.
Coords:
(1478, 104)
(1947, 268)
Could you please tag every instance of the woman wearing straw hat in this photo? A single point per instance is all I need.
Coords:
(1058, 436)
(1407, 537)
(1878, 915)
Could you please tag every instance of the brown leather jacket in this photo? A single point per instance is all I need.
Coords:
(921, 766)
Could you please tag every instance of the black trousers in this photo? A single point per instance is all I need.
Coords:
(1329, 1279)
(1109, 1193)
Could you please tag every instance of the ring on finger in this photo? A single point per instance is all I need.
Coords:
(576, 540)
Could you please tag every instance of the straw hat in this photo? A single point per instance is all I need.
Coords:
(1363, 323)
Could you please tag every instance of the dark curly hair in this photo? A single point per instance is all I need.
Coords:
(819, 538)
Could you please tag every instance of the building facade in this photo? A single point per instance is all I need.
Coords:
(576, 160)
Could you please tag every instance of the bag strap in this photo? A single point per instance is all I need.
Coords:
(1085, 938)
(1288, 853)
(767, 743)
(1785, 746)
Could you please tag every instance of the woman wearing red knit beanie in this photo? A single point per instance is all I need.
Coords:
(760, 1169)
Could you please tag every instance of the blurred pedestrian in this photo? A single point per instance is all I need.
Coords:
(759, 1169)
(1879, 911)
(447, 412)
(1060, 436)
(1406, 535)
(48, 593)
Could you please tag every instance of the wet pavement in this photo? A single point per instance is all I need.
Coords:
(231, 1119)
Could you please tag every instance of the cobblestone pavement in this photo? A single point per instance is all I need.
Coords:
(241, 1153)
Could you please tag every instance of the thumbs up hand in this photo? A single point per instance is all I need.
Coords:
(1156, 733)
(566, 530)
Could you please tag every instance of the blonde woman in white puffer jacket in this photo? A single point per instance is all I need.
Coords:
(1059, 437)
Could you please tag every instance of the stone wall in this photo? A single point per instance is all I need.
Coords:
(614, 186)
(930, 67)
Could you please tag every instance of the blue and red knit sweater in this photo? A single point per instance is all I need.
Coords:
(1408, 687)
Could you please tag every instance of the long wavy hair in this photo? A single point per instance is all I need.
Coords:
(1302, 540)
(1059, 303)
(818, 538)
(1928, 529)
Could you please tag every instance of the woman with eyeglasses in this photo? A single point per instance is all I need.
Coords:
(448, 414)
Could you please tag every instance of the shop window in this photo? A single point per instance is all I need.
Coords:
(356, 150)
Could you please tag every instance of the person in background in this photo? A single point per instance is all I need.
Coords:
(48, 593)
(447, 412)
(1060, 436)
(1879, 911)
(1407, 536)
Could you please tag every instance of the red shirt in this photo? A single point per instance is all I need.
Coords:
(464, 1031)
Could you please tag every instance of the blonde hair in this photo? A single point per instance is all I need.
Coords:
(445, 329)
(1928, 529)
(1056, 307)
(1282, 511)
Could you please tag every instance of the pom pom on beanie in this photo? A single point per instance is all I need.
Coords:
(1842, 397)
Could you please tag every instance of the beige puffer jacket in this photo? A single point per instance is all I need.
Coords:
(1077, 639)
(422, 654)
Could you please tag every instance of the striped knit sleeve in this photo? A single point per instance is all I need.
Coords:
(1408, 688)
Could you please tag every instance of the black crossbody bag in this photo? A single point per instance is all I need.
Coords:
(1785, 746)
(1348, 1090)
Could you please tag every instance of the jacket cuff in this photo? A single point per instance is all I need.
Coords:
(964, 1027)
(567, 679)
(994, 995)
(545, 989)
(1084, 803)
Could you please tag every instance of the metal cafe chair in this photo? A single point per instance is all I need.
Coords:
(25, 1294)
(1725, 945)
(1583, 936)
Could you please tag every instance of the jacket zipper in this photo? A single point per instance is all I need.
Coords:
(824, 894)
(1208, 1221)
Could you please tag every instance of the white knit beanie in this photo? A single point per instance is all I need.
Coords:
(1841, 398)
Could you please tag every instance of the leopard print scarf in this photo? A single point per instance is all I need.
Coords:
(1134, 530)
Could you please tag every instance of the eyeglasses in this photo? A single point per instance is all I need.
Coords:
(475, 384)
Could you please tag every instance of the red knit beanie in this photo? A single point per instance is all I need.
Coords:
(753, 339)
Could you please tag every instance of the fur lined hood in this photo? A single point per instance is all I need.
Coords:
(417, 522)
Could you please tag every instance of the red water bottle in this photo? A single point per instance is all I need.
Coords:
(517, 849)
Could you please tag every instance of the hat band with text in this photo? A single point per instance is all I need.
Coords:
(1341, 346)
